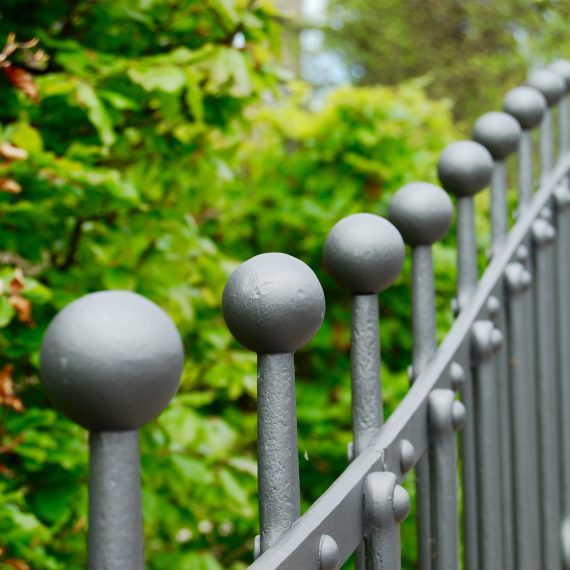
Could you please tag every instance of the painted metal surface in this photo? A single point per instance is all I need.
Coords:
(299, 546)
(112, 361)
(274, 304)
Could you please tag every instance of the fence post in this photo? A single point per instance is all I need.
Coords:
(423, 214)
(364, 253)
(500, 134)
(562, 68)
(111, 361)
(552, 88)
(274, 304)
(528, 106)
(464, 169)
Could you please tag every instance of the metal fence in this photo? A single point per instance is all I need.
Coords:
(111, 361)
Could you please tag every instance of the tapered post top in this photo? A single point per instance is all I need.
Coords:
(499, 133)
(465, 168)
(421, 212)
(364, 253)
(562, 68)
(550, 84)
(527, 105)
(273, 303)
(111, 361)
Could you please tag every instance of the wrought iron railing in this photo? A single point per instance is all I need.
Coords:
(111, 361)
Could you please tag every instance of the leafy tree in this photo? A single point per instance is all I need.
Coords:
(471, 50)
(139, 151)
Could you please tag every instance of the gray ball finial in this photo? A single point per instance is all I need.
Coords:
(273, 303)
(562, 68)
(364, 253)
(550, 84)
(111, 361)
(527, 105)
(465, 168)
(422, 213)
(499, 133)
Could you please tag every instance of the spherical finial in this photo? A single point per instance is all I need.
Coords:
(549, 84)
(499, 133)
(562, 68)
(111, 361)
(364, 253)
(422, 213)
(465, 168)
(527, 105)
(273, 303)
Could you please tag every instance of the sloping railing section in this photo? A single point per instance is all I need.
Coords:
(111, 361)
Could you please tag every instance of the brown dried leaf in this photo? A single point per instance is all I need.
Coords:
(23, 308)
(24, 81)
(18, 281)
(11, 152)
(17, 564)
(7, 396)
(10, 185)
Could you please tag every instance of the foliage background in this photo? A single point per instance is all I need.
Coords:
(153, 147)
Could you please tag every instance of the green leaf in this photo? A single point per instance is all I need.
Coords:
(7, 312)
(169, 79)
(97, 113)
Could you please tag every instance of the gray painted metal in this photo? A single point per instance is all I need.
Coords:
(115, 521)
(527, 544)
(543, 236)
(562, 68)
(367, 407)
(114, 348)
(486, 342)
(446, 416)
(500, 134)
(562, 207)
(459, 165)
(111, 361)
(274, 304)
(299, 546)
(278, 460)
(365, 254)
(423, 214)
(386, 505)
(527, 105)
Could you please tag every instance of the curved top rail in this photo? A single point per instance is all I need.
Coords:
(299, 546)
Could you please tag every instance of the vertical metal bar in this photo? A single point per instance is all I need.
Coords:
(111, 361)
(543, 236)
(499, 223)
(274, 304)
(525, 167)
(386, 505)
(365, 254)
(562, 204)
(467, 273)
(527, 544)
(467, 276)
(115, 519)
(423, 214)
(546, 144)
(485, 342)
(446, 416)
(563, 124)
(367, 408)
(425, 345)
(464, 169)
(278, 462)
